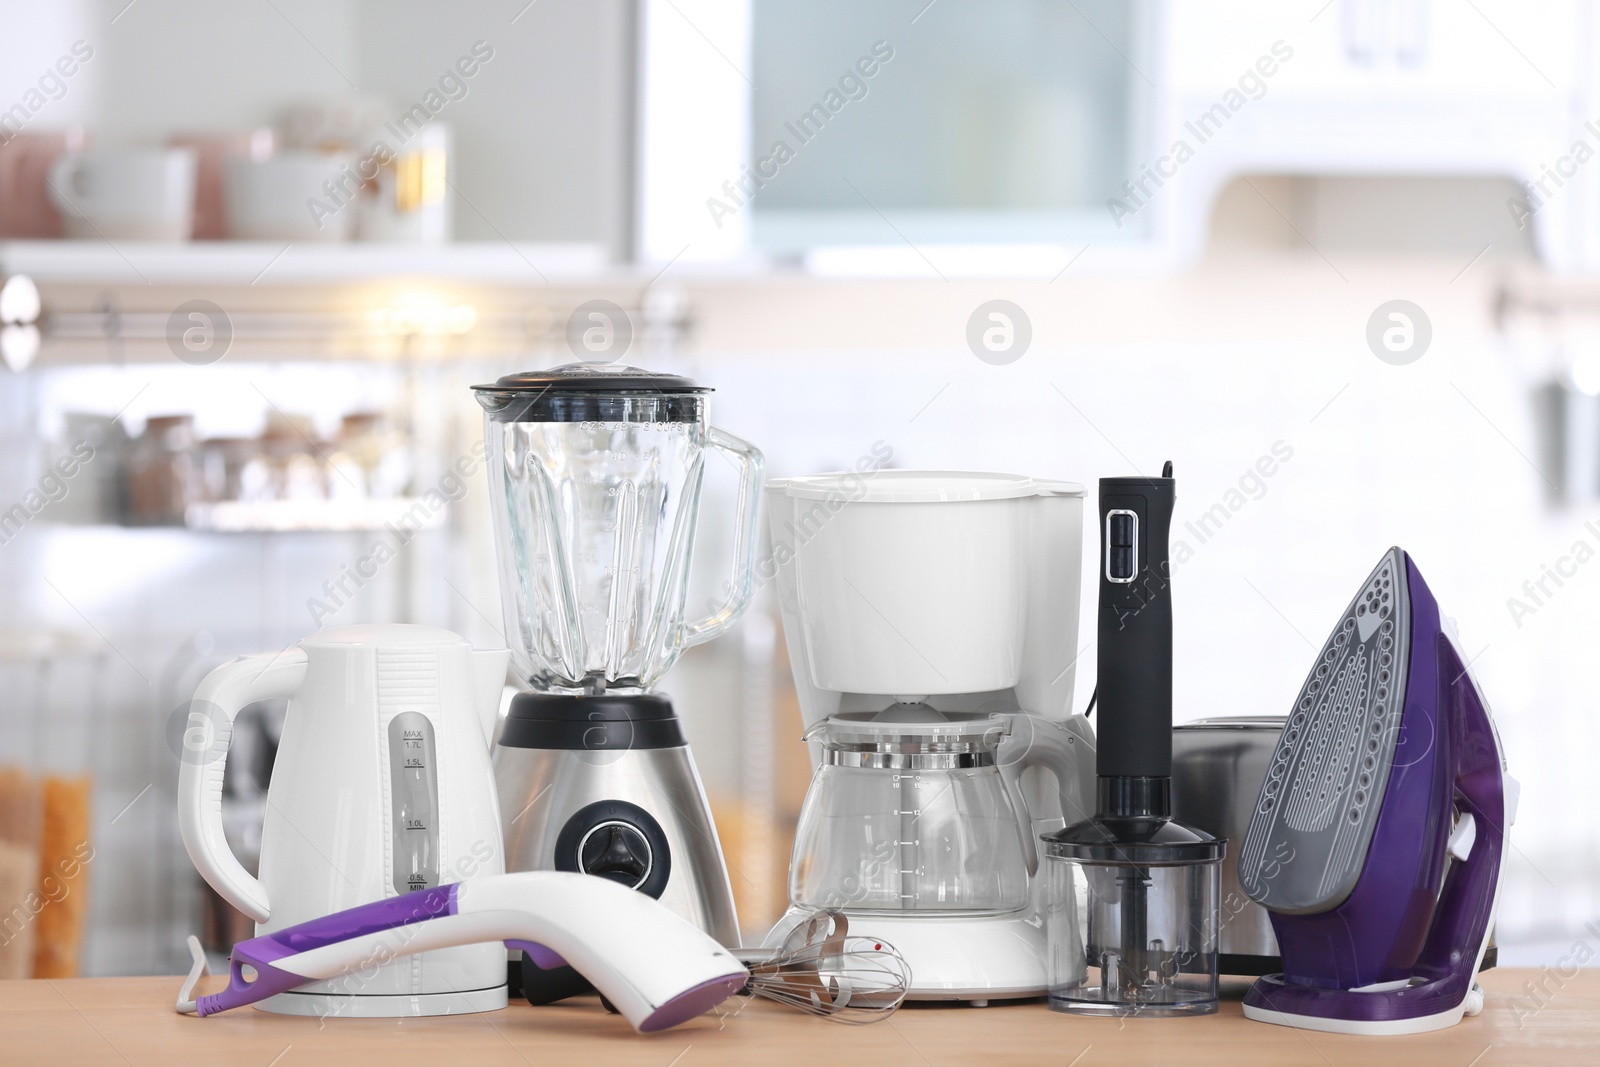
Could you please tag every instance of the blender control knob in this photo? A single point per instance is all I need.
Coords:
(617, 851)
(618, 840)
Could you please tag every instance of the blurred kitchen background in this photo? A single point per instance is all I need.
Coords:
(238, 343)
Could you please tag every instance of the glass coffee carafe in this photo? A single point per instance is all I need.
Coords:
(910, 812)
(595, 475)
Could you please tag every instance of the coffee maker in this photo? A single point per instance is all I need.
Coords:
(931, 620)
(595, 475)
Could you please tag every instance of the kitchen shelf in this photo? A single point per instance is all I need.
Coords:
(295, 516)
(281, 516)
(220, 263)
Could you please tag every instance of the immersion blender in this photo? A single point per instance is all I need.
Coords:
(1151, 926)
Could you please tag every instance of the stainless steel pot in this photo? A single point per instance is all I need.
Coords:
(1218, 766)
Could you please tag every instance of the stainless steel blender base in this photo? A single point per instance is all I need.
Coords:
(546, 791)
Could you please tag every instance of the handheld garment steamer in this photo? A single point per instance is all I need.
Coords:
(1388, 783)
(656, 968)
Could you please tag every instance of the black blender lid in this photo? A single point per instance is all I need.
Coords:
(593, 378)
(1136, 842)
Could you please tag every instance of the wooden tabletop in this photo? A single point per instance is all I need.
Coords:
(100, 1021)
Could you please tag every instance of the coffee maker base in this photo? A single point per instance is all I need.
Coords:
(324, 1005)
(955, 958)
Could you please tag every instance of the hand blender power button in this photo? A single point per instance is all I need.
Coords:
(1122, 546)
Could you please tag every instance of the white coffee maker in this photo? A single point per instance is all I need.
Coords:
(932, 623)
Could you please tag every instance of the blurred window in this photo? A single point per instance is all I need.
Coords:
(1004, 121)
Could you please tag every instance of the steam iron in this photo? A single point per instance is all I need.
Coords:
(1387, 784)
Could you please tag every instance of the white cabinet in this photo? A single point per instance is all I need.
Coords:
(1006, 137)
(1389, 87)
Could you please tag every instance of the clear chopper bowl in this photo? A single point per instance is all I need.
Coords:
(595, 478)
(1132, 924)
(909, 816)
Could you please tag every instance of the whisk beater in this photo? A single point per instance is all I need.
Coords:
(823, 970)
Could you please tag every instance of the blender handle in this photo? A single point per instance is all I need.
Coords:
(741, 586)
(218, 700)
(1064, 748)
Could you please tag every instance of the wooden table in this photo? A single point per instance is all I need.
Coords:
(101, 1021)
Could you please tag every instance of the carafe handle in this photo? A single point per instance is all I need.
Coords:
(1066, 749)
(204, 757)
(741, 585)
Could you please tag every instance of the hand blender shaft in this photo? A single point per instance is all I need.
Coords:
(1135, 654)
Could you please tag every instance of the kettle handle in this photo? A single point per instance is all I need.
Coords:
(204, 757)
(741, 586)
(1066, 749)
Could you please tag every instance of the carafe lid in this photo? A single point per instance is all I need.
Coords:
(908, 728)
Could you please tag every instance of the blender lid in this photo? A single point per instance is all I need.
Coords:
(915, 487)
(1133, 842)
(593, 378)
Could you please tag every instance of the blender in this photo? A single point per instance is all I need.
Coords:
(1133, 910)
(595, 477)
(931, 620)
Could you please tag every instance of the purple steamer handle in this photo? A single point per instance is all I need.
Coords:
(260, 953)
(1391, 928)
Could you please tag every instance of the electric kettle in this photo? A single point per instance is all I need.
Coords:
(381, 786)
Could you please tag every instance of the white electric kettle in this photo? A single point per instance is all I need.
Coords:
(381, 786)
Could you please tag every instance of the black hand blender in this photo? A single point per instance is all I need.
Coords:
(1146, 944)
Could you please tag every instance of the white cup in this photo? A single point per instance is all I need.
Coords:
(138, 194)
(298, 196)
(411, 201)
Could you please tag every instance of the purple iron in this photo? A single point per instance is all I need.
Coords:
(1388, 783)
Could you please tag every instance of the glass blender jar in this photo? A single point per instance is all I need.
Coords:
(595, 476)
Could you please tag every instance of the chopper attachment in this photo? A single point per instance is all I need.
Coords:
(1146, 943)
(1388, 781)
